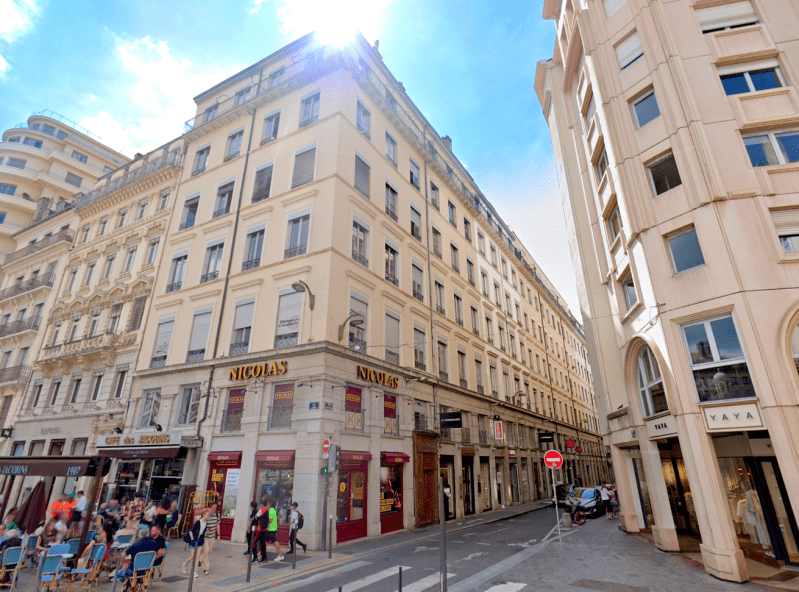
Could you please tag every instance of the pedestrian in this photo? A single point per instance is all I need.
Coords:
(614, 500)
(80, 506)
(195, 537)
(211, 532)
(59, 507)
(605, 494)
(294, 526)
(62, 526)
(161, 515)
(271, 530)
(250, 524)
(261, 527)
(10, 520)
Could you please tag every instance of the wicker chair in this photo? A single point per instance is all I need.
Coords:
(142, 572)
(160, 566)
(50, 573)
(10, 567)
(174, 531)
(84, 579)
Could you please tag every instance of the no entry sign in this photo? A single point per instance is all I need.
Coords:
(553, 459)
(326, 446)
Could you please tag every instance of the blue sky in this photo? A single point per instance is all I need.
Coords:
(128, 72)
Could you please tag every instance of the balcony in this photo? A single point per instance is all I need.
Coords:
(195, 355)
(158, 362)
(174, 286)
(209, 277)
(418, 295)
(186, 224)
(66, 235)
(480, 389)
(287, 340)
(392, 278)
(471, 281)
(417, 236)
(251, 264)
(437, 252)
(456, 268)
(30, 324)
(357, 344)
(391, 426)
(39, 281)
(476, 331)
(459, 321)
(443, 375)
(360, 259)
(15, 374)
(464, 383)
(221, 211)
(420, 365)
(166, 160)
(353, 421)
(89, 345)
(241, 347)
(392, 357)
(466, 435)
(446, 434)
(295, 251)
(440, 310)
(483, 436)
(392, 214)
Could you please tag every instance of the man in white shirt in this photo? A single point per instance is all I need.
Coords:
(605, 494)
(294, 526)
(80, 506)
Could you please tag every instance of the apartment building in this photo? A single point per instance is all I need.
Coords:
(87, 325)
(49, 157)
(674, 131)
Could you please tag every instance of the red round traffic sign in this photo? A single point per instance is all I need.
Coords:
(326, 446)
(553, 459)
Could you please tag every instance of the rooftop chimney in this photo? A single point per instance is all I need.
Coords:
(447, 142)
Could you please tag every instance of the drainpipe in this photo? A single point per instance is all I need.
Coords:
(430, 288)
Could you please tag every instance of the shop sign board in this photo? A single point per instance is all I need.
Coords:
(258, 370)
(722, 418)
(661, 427)
(451, 419)
(139, 440)
(191, 442)
(377, 377)
(579, 449)
(544, 437)
(499, 433)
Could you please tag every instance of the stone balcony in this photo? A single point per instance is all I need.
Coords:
(96, 344)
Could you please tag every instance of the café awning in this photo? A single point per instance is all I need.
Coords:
(354, 457)
(50, 466)
(227, 457)
(394, 457)
(278, 459)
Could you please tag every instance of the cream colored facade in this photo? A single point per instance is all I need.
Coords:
(673, 125)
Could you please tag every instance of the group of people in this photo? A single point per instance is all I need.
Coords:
(610, 500)
(262, 530)
(201, 538)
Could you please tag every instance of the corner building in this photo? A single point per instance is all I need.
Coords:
(674, 130)
(321, 280)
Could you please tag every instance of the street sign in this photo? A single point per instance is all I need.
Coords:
(544, 437)
(326, 446)
(499, 434)
(579, 449)
(553, 459)
(451, 419)
(326, 455)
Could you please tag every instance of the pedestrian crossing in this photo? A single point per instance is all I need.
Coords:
(392, 575)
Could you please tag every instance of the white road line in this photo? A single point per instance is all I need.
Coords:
(371, 579)
(425, 583)
(509, 587)
(316, 577)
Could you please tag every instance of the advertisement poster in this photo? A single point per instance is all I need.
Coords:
(228, 509)
(390, 489)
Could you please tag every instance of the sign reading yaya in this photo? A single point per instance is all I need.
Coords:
(265, 369)
(383, 378)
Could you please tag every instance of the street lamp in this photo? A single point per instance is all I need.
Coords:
(301, 286)
(355, 320)
(520, 395)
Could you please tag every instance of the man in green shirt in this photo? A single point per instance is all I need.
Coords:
(271, 530)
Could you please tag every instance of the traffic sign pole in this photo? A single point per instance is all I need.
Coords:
(554, 460)
(557, 512)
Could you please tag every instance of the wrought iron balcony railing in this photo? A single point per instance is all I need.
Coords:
(195, 355)
(30, 324)
(443, 376)
(356, 256)
(392, 278)
(174, 286)
(420, 365)
(15, 374)
(66, 235)
(418, 295)
(440, 310)
(241, 347)
(287, 340)
(251, 264)
(210, 276)
(392, 214)
(45, 279)
(295, 251)
(357, 344)
(392, 357)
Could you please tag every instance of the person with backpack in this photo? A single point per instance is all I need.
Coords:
(297, 522)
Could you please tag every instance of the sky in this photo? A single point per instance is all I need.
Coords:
(128, 71)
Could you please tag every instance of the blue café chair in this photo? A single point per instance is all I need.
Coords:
(84, 579)
(10, 567)
(50, 573)
(60, 550)
(30, 551)
(141, 572)
(160, 567)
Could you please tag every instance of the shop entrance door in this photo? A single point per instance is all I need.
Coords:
(679, 492)
(351, 503)
(514, 482)
(468, 487)
(449, 492)
(776, 508)
(484, 486)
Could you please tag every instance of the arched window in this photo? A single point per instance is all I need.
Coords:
(650, 384)
(795, 348)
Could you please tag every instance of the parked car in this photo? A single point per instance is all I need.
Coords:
(587, 499)
(563, 492)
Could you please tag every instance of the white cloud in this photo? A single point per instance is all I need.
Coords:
(16, 22)
(150, 101)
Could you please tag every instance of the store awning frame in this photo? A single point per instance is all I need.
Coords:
(279, 459)
(225, 456)
(51, 466)
(352, 456)
(143, 452)
(394, 457)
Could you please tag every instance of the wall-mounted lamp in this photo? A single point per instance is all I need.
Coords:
(158, 428)
(355, 320)
(301, 286)
(117, 430)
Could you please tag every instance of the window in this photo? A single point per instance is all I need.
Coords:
(645, 108)
(54, 390)
(786, 223)
(613, 6)
(282, 407)
(726, 16)
(452, 216)
(213, 262)
(685, 250)
(481, 244)
(199, 336)
(628, 288)
(37, 395)
(494, 256)
(15, 138)
(142, 209)
(75, 390)
(391, 202)
(263, 183)
(492, 377)
(162, 341)
(357, 331)
(391, 149)
(103, 226)
(717, 360)
(436, 243)
(289, 316)
(242, 327)
(362, 173)
(303, 167)
(392, 264)
(414, 174)
(255, 245)
(121, 375)
(470, 271)
(7, 189)
(130, 258)
(211, 112)
(89, 273)
(504, 268)
(201, 160)
(271, 124)
(152, 250)
(454, 259)
(439, 287)
(614, 223)
(442, 361)
(77, 156)
(190, 212)
(86, 229)
(467, 229)
(363, 117)
(74, 180)
(234, 144)
(419, 349)
(17, 163)
(601, 164)
(93, 324)
(751, 81)
(360, 234)
(242, 96)
(277, 77)
(418, 282)
(353, 409)
(297, 236)
(458, 305)
(116, 312)
(773, 148)
(224, 197)
(73, 275)
(484, 282)
(109, 265)
(98, 382)
(462, 370)
(513, 277)
(392, 338)
(177, 272)
(189, 405)
(137, 312)
(629, 50)
(434, 196)
(151, 404)
(416, 224)
(650, 384)
(664, 174)
(309, 110)
(475, 321)
(37, 143)
(419, 415)
(478, 373)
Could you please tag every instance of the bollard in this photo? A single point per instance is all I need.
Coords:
(294, 555)
(567, 520)
(249, 553)
(193, 567)
(330, 539)
(400, 579)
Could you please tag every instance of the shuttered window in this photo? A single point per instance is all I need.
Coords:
(392, 338)
(303, 168)
(243, 316)
(162, 340)
(786, 222)
(629, 50)
(263, 183)
(362, 176)
(726, 16)
(136, 313)
(199, 336)
(613, 6)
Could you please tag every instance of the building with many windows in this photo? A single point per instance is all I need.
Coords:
(674, 130)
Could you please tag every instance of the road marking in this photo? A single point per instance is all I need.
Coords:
(425, 583)
(522, 545)
(316, 577)
(421, 549)
(371, 579)
(509, 587)
(486, 544)
(470, 557)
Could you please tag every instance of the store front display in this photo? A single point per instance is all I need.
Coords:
(392, 465)
(275, 480)
(351, 495)
(467, 479)
(223, 480)
(446, 471)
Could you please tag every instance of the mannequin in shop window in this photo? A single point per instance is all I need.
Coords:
(751, 514)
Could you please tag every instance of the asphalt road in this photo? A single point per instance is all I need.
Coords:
(472, 550)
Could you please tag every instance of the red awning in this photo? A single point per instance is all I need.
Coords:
(143, 452)
(353, 457)
(394, 457)
(278, 459)
(224, 456)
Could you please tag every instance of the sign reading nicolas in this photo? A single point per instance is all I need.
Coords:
(256, 370)
(383, 378)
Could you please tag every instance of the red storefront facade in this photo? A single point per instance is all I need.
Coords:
(223, 478)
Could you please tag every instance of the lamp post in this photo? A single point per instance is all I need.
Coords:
(355, 320)
(301, 286)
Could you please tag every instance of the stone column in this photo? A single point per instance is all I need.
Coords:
(492, 481)
(457, 484)
(628, 519)
(663, 530)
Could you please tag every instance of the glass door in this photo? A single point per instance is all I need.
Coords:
(777, 509)
(351, 503)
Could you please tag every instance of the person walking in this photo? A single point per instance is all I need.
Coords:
(271, 530)
(80, 506)
(195, 537)
(294, 526)
(605, 495)
(261, 527)
(250, 524)
(211, 533)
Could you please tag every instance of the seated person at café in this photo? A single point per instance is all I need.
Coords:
(48, 536)
(149, 543)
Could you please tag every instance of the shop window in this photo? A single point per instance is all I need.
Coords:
(420, 416)
(353, 410)
(282, 407)
(390, 415)
(717, 360)
(231, 419)
(278, 485)
(650, 384)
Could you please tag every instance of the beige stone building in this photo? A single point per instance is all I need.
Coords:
(674, 131)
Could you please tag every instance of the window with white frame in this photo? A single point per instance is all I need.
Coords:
(242, 327)
(629, 50)
(103, 226)
(163, 338)
(417, 277)
(392, 337)
(414, 173)
(391, 149)
(98, 383)
(645, 108)
(650, 383)
(263, 183)
(442, 361)
(190, 207)
(130, 258)
(601, 164)
(123, 216)
(731, 15)
(363, 119)
(113, 317)
(391, 202)
(213, 262)
(142, 209)
(360, 235)
(297, 236)
(120, 385)
(628, 289)
(163, 201)
(362, 176)
(304, 162)
(786, 223)
(685, 250)
(199, 336)
(176, 273)
(717, 360)
(664, 174)
(234, 144)
(271, 124)
(255, 246)
(771, 148)
(37, 394)
(224, 198)
(201, 160)
(89, 272)
(416, 223)
(419, 349)
(152, 250)
(392, 264)
(434, 195)
(614, 223)
(109, 265)
(751, 80)
(189, 405)
(243, 95)
(309, 110)
(151, 405)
